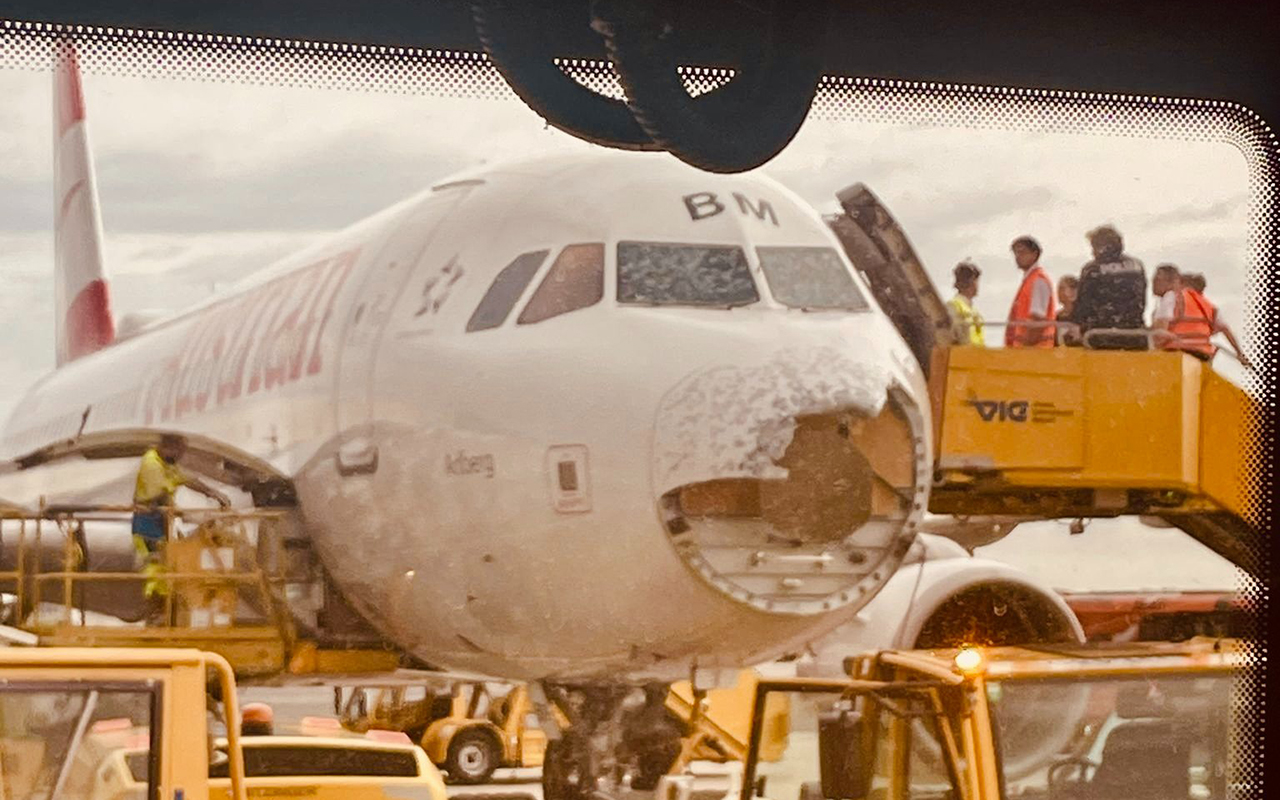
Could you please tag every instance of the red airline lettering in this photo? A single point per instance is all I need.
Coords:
(270, 330)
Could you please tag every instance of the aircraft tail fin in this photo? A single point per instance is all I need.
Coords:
(82, 310)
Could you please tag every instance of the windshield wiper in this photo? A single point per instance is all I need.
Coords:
(82, 725)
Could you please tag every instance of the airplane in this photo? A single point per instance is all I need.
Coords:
(591, 421)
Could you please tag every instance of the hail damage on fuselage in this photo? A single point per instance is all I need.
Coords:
(784, 483)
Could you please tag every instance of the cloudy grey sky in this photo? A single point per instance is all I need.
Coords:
(202, 183)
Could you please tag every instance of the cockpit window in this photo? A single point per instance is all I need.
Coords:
(657, 273)
(575, 280)
(505, 291)
(810, 277)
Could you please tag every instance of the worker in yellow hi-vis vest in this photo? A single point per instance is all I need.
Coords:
(966, 322)
(158, 479)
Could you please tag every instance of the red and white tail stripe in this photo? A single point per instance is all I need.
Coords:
(83, 305)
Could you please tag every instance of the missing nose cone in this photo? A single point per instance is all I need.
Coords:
(842, 471)
(808, 511)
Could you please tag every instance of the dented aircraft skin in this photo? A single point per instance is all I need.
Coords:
(601, 493)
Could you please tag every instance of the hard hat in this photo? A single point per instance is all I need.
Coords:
(256, 712)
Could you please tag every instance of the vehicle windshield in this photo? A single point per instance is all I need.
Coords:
(812, 278)
(801, 732)
(54, 739)
(664, 274)
(1114, 739)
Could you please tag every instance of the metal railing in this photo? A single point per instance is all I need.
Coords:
(1031, 324)
(1153, 338)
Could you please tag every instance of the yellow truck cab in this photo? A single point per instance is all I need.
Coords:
(63, 711)
(1147, 721)
(143, 724)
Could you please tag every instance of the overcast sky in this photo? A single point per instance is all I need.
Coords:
(202, 183)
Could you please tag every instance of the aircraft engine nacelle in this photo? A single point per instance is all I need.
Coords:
(943, 598)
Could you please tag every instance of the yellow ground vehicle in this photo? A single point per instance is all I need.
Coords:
(470, 728)
(1068, 722)
(293, 766)
(62, 710)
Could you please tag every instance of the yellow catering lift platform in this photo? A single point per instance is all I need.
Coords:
(1066, 432)
(221, 586)
(1072, 432)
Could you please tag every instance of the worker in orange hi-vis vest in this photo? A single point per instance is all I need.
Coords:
(1195, 281)
(1034, 301)
(1186, 317)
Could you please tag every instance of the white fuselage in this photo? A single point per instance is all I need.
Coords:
(429, 460)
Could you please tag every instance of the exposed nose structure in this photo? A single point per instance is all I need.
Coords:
(795, 485)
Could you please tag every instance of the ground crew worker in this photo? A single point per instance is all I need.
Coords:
(966, 322)
(257, 719)
(1196, 282)
(1112, 292)
(1067, 292)
(1187, 317)
(1033, 302)
(158, 479)
(1181, 313)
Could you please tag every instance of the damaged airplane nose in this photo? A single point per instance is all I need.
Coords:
(795, 486)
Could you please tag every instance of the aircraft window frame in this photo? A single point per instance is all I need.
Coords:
(861, 305)
(554, 298)
(744, 252)
(520, 271)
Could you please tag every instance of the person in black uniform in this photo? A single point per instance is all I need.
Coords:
(1112, 293)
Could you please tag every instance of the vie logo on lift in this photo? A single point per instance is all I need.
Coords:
(1001, 410)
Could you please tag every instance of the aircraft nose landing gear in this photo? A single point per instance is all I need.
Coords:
(615, 741)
